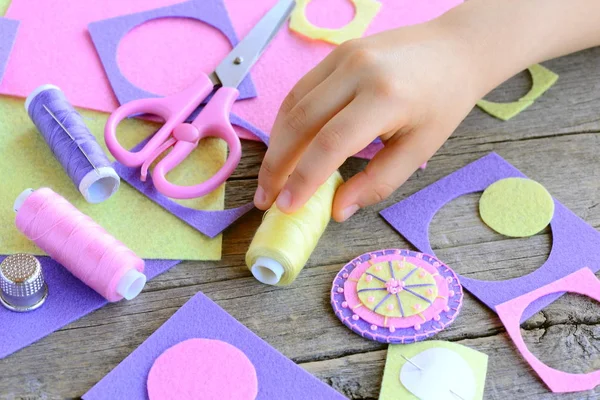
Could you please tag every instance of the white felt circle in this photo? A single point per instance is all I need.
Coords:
(442, 371)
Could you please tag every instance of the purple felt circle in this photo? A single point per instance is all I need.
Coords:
(384, 334)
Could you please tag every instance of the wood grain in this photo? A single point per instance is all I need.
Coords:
(555, 142)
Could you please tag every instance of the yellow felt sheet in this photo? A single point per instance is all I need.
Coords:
(27, 162)
(392, 388)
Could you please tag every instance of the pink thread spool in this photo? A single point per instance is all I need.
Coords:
(79, 244)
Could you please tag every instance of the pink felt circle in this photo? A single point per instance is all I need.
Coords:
(202, 369)
(168, 64)
(332, 14)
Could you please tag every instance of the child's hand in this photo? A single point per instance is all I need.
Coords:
(411, 87)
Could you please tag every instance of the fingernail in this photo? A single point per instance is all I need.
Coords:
(349, 211)
(284, 200)
(260, 197)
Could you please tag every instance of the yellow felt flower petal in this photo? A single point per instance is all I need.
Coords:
(365, 12)
(542, 79)
(516, 207)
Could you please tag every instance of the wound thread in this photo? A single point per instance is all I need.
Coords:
(81, 245)
(72, 143)
(283, 242)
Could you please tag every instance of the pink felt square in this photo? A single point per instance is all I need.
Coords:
(56, 32)
(582, 282)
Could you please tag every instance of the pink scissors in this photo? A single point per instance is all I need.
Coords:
(213, 120)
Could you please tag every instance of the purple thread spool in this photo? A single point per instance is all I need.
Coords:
(71, 142)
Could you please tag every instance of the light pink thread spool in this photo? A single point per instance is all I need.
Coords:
(79, 244)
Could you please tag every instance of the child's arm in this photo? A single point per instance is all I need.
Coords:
(412, 87)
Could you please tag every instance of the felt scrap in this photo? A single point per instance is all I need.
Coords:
(210, 223)
(68, 300)
(365, 12)
(202, 369)
(107, 35)
(582, 282)
(8, 35)
(574, 242)
(542, 80)
(392, 387)
(134, 220)
(278, 377)
(516, 207)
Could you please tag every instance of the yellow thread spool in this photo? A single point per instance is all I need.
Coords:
(284, 242)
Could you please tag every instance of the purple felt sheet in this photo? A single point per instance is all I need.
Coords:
(107, 35)
(278, 377)
(8, 34)
(68, 300)
(575, 244)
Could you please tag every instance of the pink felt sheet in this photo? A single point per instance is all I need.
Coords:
(582, 282)
(166, 55)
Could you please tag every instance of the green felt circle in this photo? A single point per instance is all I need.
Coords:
(516, 207)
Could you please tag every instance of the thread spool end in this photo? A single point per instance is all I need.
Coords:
(22, 198)
(267, 270)
(131, 284)
(99, 184)
(37, 91)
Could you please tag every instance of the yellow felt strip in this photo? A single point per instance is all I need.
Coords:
(364, 12)
(392, 388)
(26, 161)
(542, 79)
(516, 207)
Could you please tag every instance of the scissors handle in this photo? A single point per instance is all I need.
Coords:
(213, 121)
(172, 109)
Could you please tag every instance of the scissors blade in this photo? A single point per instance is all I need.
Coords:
(236, 65)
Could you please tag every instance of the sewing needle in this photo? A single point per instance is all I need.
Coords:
(421, 369)
(69, 134)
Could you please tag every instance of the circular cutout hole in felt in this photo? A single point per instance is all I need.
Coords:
(330, 14)
(565, 335)
(516, 207)
(202, 369)
(459, 236)
(165, 55)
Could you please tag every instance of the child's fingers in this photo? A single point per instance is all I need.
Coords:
(348, 132)
(389, 169)
(294, 130)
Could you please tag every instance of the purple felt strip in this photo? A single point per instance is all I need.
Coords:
(68, 300)
(575, 244)
(8, 34)
(278, 377)
(210, 223)
(108, 33)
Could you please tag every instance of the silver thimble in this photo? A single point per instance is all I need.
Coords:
(22, 286)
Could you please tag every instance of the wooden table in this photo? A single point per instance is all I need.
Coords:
(556, 142)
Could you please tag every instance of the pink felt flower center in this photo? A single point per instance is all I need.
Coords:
(394, 286)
